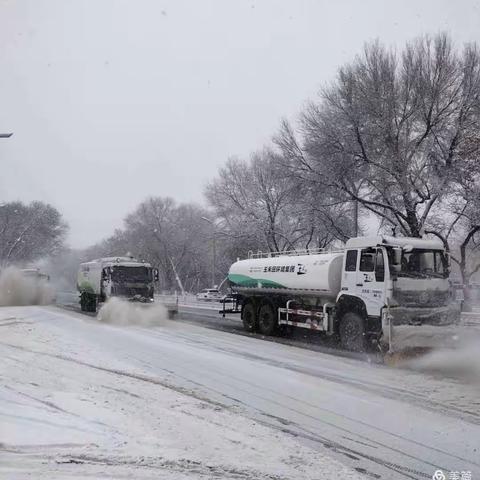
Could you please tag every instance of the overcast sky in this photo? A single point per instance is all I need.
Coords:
(113, 101)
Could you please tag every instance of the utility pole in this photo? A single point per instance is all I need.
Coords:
(214, 254)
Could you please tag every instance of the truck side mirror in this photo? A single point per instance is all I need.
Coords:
(379, 266)
(397, 259)
(447, 263)
(156, 276)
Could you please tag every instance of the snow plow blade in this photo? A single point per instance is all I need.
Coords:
(172, 308)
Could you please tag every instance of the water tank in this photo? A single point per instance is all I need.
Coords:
(316, 275)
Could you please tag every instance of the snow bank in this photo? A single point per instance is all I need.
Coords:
(121, 312)
(18, 289)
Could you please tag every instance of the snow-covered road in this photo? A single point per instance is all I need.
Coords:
(82, 399)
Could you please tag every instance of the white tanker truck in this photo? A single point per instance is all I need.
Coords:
(364, 293)
(108, 277)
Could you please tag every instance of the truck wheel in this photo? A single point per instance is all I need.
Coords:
(249, 317)
(352, 332)
(93, 304)
(83, 303)
(267, 322)
(90, 303)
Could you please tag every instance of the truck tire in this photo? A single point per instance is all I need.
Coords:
(249, 317)
(267, 321)
(352, 332)
(83, 303)
(88, 302)
(92, 304)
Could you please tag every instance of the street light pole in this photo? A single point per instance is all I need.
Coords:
(214, 260)
(214, 252)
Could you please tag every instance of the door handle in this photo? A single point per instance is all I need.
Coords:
(359, 284)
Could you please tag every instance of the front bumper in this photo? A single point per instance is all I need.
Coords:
(407, 328)
(140, 299)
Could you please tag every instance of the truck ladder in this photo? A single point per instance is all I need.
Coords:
(290, 253)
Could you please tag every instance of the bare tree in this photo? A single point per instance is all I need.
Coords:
(251, 197)
(322, 205)
(29, 232)
(457, 223)
(170, 236)
(262, 206)
(388, 132)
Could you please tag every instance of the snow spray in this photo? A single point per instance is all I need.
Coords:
(122, 312)
(462, 363)
(18, 289)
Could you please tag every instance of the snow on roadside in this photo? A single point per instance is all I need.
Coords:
(66, 410)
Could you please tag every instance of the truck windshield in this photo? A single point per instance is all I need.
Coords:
(122, 274)
(423, 263)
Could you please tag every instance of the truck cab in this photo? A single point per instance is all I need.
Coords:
(125, 277)
(396, 284)
(365, 276)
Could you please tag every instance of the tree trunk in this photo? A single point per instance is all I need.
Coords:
(355, 217)
(412, 222)
(467, 304)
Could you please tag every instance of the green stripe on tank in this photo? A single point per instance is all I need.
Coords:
(246, 281)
